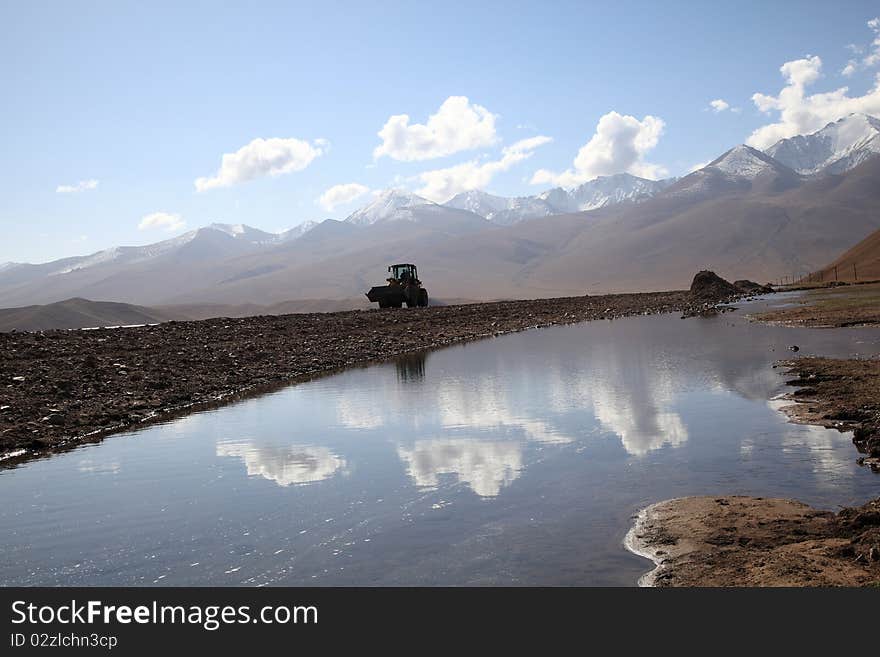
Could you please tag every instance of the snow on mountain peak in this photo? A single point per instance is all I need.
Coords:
(596, 193)
(297, 231)
(230, 229)
(389, 204)
(838, 147)
(610, 190)
(478, 202)
(743, 162)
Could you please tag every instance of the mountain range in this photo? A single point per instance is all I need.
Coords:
(747, 214)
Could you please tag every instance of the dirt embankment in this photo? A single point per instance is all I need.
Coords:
(754, 541)
(57, 387)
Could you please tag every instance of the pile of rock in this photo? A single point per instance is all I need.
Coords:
(709, 286)
(750, 287)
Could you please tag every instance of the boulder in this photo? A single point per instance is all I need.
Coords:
(709, 286)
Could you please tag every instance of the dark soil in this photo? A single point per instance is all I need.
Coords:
(843, 394)
(60, 388)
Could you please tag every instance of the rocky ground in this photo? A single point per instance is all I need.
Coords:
(754, 541)
(62, 387)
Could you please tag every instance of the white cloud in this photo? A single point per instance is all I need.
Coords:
(81, 186)
(873, 57)
(870, 55)
(442, 184)
(165, 220)
(263, 157)
(457, 126)
(800, 113)
(619, 145)
(719, 105)
(341, 194)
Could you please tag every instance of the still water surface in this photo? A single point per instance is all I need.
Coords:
(517, 460)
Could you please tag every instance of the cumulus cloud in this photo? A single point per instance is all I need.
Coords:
(869, 56)
(341, 194)
(263, 157)
(458, 125)
(873, 57)
(164, 220)
(800, 112)
(719, 105)
(619, 145)
(81, 186)
(442, 184)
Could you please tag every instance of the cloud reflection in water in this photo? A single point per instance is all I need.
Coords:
(485, 466)
(286, 466)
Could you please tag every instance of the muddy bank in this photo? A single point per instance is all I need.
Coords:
(843, 394)
(754, 541)
(830, 307)
(61, 387)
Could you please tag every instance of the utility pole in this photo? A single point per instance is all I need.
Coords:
(855, 273)
(835, 272)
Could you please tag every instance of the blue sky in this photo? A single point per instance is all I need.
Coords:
(146, 98)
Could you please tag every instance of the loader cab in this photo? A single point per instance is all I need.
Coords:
(404, 273)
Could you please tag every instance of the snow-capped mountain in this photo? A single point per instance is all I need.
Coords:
(836, 148)
(124, 254)
(597, 193)
(606, 190)
(742, 168)
(393, 204)
(743, 162)
(297, 231)
(247, 233)
(209, 238)
(500, 209)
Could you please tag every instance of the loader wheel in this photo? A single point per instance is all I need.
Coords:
(423, 298)
(383, 304)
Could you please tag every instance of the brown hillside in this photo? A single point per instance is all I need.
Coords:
(861, 262)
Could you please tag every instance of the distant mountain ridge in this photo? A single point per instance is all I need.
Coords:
(597, 193)
(747, 210)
